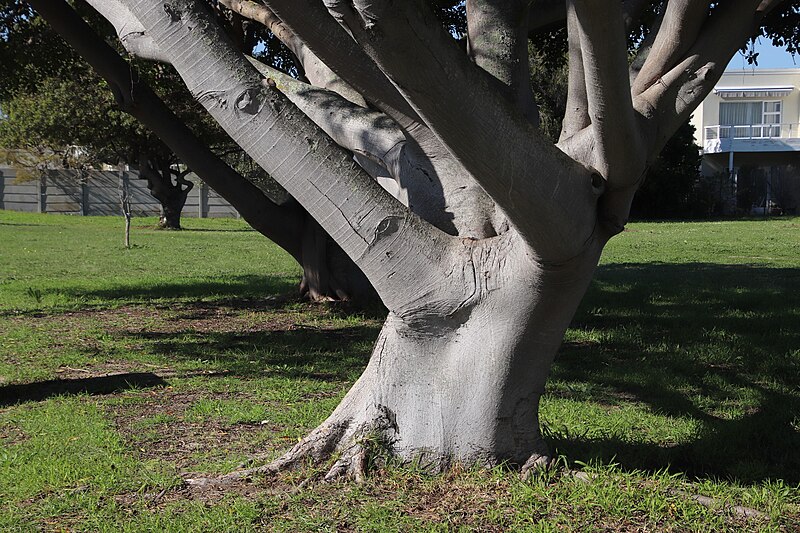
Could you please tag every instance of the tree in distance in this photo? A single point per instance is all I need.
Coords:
(62, 115)
(422, 156)
(76, 124)
(60, 109)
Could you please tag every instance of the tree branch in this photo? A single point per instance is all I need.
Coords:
(459, 102)
(281, 224)
(678, 30)
(682, 86)
(605, 66)
(385, 151)
(452, 201)
(618, 149)
(129, 30)
(317, 72)
(395, 249)
(185, 185)
(416, 169)
(362, 131)
(576, 116)
(644, 48)
(497, 38)
(335, 48)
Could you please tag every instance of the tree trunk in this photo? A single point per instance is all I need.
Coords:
(475, 318)
(170, 219)
(171, 208)
(460, 383)
(171, 196)
(328, 274)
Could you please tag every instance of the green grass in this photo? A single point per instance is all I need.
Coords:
(680, 376)
(61, 262)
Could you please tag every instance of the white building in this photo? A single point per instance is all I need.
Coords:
(749, 129)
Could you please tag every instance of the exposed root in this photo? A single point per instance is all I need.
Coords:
(351, 465)
(360, 446)
(715, 504)
(316, 448)
(536, 464)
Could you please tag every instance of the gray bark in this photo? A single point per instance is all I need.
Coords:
(441, 389)
(477, 311)
(498, 43)
(317, 72)
(415, 170)
(129, 30)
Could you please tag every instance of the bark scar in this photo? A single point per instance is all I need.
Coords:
(386, 227)
(249, 102)
(356, 229)
(174, 14)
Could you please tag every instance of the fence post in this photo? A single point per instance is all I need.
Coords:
(41, 198)
(202, 201)
(84, 197)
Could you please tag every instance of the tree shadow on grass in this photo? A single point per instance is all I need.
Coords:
(717, 344)
(231, 288)
(219, 230)
(299, 353)
(41, 390)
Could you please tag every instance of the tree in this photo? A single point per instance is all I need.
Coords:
(65, 116)
(33, 55)
(485, 236)
(54, 111)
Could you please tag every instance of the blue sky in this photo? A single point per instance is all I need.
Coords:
(769, 56)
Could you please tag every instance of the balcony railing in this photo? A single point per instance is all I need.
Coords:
(753, 131)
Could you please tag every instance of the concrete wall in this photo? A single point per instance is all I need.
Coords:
(60, 191)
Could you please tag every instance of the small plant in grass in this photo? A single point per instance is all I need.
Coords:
(36, 294)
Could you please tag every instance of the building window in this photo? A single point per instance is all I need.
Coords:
(743, 120)
(772, 119)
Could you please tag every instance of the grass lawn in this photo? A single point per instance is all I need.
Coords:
(124, 371)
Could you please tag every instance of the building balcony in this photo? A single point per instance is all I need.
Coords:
(752, 138)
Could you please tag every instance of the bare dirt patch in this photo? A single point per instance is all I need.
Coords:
(269, 314)
(158, 427)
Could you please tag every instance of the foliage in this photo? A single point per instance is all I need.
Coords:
(55, 101)
(29, 51)
(549, 81)
(71, 113)
(670, 186)
(783, 26)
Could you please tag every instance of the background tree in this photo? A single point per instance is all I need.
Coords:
(478, 233)
(672, 187)
(33, 55)
(53, 109)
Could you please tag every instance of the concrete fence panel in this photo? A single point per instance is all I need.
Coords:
(97, 193)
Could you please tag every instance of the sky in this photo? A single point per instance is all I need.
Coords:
(769, 56)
